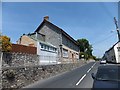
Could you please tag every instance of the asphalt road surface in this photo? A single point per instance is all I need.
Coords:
(77, 78)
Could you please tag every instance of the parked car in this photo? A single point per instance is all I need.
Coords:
(103, 61)
(107, 76)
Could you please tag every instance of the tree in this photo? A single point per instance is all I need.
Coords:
(5, 43)
(89, 50)
(85, 48)
(83, 44)
(94, 57)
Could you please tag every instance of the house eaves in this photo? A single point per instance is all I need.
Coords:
(112, 47)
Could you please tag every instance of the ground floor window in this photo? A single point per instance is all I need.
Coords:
(65, 53)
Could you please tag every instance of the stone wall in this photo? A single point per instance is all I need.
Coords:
(19, 70)
(19, 59)
(18, 77)
(0, 70)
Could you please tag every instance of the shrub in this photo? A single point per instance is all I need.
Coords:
(10, 74)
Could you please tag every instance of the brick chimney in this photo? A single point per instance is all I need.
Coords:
(46, 18)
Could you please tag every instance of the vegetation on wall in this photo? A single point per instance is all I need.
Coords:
(5, 44)
(10, 74)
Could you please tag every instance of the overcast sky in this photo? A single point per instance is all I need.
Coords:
(90, 20)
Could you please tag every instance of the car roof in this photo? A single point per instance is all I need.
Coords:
(108, 66)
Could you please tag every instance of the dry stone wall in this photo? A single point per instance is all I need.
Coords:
(18, 77)
(19, 70)
(19, 59)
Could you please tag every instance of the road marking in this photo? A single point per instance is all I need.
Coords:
(80, 80)
(89, 70)
(93, 65)
(85, 75)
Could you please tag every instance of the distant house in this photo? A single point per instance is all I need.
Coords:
(68, 49)
(113, 54)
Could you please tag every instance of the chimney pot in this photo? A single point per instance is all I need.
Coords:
(46, 17)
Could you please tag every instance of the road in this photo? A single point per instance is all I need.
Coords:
(77, 78)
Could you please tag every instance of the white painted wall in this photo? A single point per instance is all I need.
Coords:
(46, 57)
(117, 53)
(38, 48)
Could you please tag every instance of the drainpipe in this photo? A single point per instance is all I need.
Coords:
(36, 35)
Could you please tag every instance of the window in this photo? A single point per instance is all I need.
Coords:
(47, 48)
(118, 49)
(108, 74)
(51, 48)
(42, 46)
(65, 53)
(55, 49)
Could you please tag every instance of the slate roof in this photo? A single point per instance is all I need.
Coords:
(61, 30)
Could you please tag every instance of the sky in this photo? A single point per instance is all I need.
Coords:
(91, 20)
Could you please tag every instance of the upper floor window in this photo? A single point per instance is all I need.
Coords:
(51, 49)
(48, 48)
(118, 49)
(41, 45)
(45, 47)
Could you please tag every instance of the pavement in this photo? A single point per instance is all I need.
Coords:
(77, 78)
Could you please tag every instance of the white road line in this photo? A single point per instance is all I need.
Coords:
(85, 75)
(93, 65)
(80, 79)
(89, 70)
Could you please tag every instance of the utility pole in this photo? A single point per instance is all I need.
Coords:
(117, 29)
